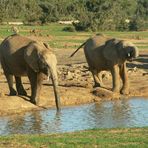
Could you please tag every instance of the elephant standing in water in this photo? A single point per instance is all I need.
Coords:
(22, 56)
(103, 53)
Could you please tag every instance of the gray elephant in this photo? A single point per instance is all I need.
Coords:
(103, 53)
(21, 56)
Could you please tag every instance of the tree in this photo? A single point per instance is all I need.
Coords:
(32, 11)
(92, 14)
(142, 9)
(101, 15)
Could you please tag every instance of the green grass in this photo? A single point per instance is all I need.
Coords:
(127, 138)
(71, 40)
(142, 47)
(127, 34)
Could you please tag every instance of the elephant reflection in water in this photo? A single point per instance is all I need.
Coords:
(111, 113)
(103, 53)
(29, 123)
(33, 122)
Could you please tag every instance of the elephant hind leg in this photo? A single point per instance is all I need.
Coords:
(19, 86)
(9, 78)
(10, 84)
(97, 78)
(100, 79)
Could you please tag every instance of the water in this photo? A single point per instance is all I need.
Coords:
(107, 114)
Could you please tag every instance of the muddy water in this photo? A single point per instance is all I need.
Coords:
(107, 114)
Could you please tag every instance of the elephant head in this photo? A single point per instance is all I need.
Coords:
(127, 50)
(119, 51)
(41, 59)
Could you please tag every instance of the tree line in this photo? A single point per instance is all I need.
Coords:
(92, 14)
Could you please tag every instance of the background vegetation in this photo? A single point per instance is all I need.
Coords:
(92, 14)
(54, 35)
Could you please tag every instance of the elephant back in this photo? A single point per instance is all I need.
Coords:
(14, 43)
(95, 42)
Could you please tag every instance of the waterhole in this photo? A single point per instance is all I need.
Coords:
(106, 114)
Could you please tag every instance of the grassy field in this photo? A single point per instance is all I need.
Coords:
(126, 138)
(57, 38)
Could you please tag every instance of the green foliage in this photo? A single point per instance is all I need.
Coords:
(69, 29)
(93, 15)
(33, 12)
(50, 13)
(103, 15)
(137, 25)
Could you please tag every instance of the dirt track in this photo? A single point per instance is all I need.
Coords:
(75, 84)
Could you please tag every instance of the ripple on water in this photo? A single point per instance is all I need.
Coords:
(107, 114)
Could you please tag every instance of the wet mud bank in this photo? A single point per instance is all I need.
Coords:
(76, 87)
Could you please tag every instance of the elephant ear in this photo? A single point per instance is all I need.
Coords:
(31, 56)
(110, 51)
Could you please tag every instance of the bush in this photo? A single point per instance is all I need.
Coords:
(81, 26)
(137, 25)
(69, 29)
(122, 26)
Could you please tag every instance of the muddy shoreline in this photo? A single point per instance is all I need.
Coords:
(76, 86)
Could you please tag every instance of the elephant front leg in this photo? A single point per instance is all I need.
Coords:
(115, 78)
(10, 84)
(19, 86)
(124, 77)
(35, 81)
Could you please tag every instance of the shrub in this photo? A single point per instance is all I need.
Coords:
(82, 26)
(137, 25)
(69, 29)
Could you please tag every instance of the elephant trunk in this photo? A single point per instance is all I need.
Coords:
(54, 79)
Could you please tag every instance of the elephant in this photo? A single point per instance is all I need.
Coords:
(22, 56)
(109, 54)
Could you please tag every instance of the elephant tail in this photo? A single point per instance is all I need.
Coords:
(77, 50)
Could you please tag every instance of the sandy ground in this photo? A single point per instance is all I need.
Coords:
(75, 91)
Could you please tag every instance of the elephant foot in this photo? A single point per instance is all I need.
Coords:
(96, 85)
(22, 93)
(12, 92)
(33, 102)
(124, 91)
(115, 90)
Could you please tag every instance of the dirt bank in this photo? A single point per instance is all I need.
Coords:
(75, 85)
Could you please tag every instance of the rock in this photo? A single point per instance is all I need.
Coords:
(77, 71)
(144, 74)
(135, 69)
(105, 75)
(2, 94)
(105, 94)
(15, 30)
(69, 75)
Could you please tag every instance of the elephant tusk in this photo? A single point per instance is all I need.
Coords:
(128, 55)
